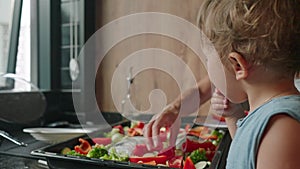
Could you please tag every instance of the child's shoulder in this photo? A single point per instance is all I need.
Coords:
(280, 139)
(290, 102)
(280, 142)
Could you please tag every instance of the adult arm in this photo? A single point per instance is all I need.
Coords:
(171, 115)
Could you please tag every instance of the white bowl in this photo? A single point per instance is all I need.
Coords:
(56, 135)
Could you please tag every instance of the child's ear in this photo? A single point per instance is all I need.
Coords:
(239, 65)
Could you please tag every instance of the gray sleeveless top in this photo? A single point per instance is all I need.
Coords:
(244, 146)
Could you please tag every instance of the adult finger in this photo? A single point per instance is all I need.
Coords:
(147, 131)
(174, 130)
(155, 133)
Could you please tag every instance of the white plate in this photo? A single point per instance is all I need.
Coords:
(55, 135)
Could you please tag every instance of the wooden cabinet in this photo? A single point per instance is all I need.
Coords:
(150, 79)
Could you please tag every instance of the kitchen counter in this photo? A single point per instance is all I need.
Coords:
(14, 162)
(13, 156)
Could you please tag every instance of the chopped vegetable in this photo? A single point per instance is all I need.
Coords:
(219, 137)
(135, 132)
(97, 152)
(84, 146)
(175, 162)
(158, 159)
(188, 164)
(198, 155)
(102, 140)
(202, 165)
(169, 152)
(121, 130)
(137, 124)
(113, 155)
(112, 132)
(65, 150)
(74, 153)
(210, 155)
(191, 145)
(136, 129)
(162, 155)
(117, 137)
(204, 133)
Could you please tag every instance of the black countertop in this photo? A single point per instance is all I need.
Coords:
(14, 162)
(13, 156)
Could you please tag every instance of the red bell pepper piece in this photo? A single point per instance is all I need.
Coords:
(102, 140)
(210, 155)
(158, 159)
(188, 164)
(84, 146)
(169, 152)
(140, 125)
(190, 145)
(135, 132)
(121, 129)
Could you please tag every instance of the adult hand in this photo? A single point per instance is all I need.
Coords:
(188, 102)
(168, 118)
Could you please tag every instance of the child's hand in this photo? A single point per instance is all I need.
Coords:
(224, 107)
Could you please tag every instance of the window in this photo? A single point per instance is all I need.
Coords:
(10, 12)
(38, 39)
(4, 36)
(6, 7)
(23, 61)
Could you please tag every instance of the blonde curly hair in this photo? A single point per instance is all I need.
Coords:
(264, 32)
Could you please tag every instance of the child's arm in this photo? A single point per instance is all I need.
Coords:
(280, 145)
(231, 112)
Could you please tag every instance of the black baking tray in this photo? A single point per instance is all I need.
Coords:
(56, 160)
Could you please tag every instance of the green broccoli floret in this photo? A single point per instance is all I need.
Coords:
(198, 155)
(113, 155)
(97, 152)
(74, 153)
(123, 158)
(117, 157)
(106, 157)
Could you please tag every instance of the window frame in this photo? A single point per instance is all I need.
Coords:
(14, 36)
